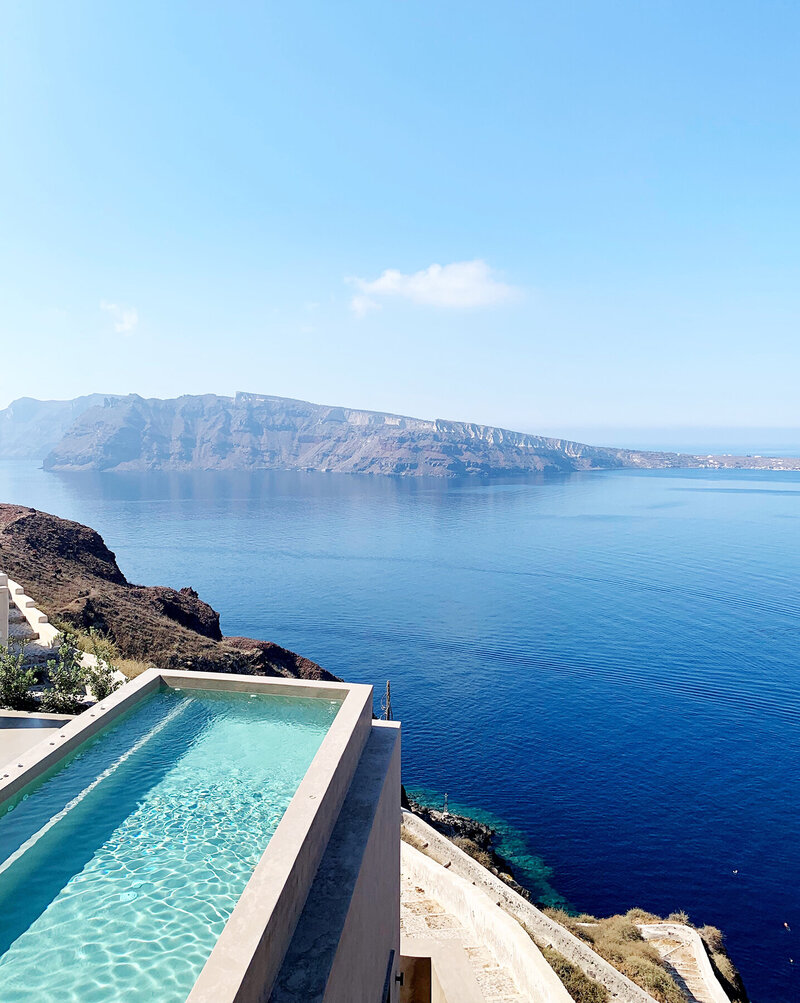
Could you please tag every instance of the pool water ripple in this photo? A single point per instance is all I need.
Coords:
(124, 896)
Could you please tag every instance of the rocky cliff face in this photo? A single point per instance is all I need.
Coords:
(30, 428)
(75, 579)
(255, 432)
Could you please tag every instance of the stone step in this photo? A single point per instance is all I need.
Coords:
(38, 655)
(18, 632)
(35, 656)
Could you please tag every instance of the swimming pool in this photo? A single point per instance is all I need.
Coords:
(121, 865)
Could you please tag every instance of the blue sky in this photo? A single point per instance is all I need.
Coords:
(549, 216)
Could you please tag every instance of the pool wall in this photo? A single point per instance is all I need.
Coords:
(244, 964)
(350, 924)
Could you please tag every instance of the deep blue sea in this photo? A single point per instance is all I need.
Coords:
(609, 663)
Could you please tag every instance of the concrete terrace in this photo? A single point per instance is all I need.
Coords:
(20, 732)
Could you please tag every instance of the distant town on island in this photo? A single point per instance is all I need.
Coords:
(262, 432)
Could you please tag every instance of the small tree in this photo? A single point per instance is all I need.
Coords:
(15, 679)
(67, 679)
(101, 676)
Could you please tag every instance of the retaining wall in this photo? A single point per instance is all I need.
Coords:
(504, 937)
(546, 930)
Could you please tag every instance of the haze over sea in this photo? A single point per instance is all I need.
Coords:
(607, 661)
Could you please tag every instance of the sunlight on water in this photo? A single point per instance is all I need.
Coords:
(122, 867)
(606, 661)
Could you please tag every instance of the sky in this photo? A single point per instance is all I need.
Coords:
(560, 216)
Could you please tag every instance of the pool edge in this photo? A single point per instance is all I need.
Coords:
(248, 953)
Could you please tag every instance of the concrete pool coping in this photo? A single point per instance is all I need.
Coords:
(20, 731)
(248, 953)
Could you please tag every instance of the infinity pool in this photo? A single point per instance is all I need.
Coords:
(121, 866)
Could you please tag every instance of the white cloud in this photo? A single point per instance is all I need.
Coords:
(125, 318)
(361, 305)
(461, 285)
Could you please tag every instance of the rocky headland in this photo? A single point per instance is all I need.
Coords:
(76, 581)
(260, 432)
(472, 836)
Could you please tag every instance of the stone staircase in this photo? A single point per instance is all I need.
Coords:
(683, 952)
(22, 634)
(422, 916)
(19, 630)
(24, 626)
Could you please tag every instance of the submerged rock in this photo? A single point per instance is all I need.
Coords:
(475, 838)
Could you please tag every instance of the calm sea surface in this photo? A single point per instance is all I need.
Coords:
(607, 662)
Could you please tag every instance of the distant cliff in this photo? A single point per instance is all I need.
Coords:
(254, 432)
(30, 428)
(76, 580)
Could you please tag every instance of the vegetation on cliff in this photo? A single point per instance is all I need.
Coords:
(619, 940)
(77, 582)
(581, 988)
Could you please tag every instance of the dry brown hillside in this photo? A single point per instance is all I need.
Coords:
(75, 578)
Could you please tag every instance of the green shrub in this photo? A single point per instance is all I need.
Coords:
(580, 987)
(67, 679)
(101, 680)
(101, 676)
(15, 680)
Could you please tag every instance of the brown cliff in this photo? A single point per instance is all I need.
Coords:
(261, 432)
(75, 579)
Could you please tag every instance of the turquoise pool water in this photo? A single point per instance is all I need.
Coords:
(120, 867)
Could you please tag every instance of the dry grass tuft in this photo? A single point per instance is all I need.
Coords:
(580, 987)
(642, 916)
(471, 848)
(714, 941)
(131, 667)
(620, 942)
(713, 937)
(653, 978)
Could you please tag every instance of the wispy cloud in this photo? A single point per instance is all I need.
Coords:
(125, 318)
(361, 305)
(462, 285)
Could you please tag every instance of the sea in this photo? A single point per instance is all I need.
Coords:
(605, 665)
